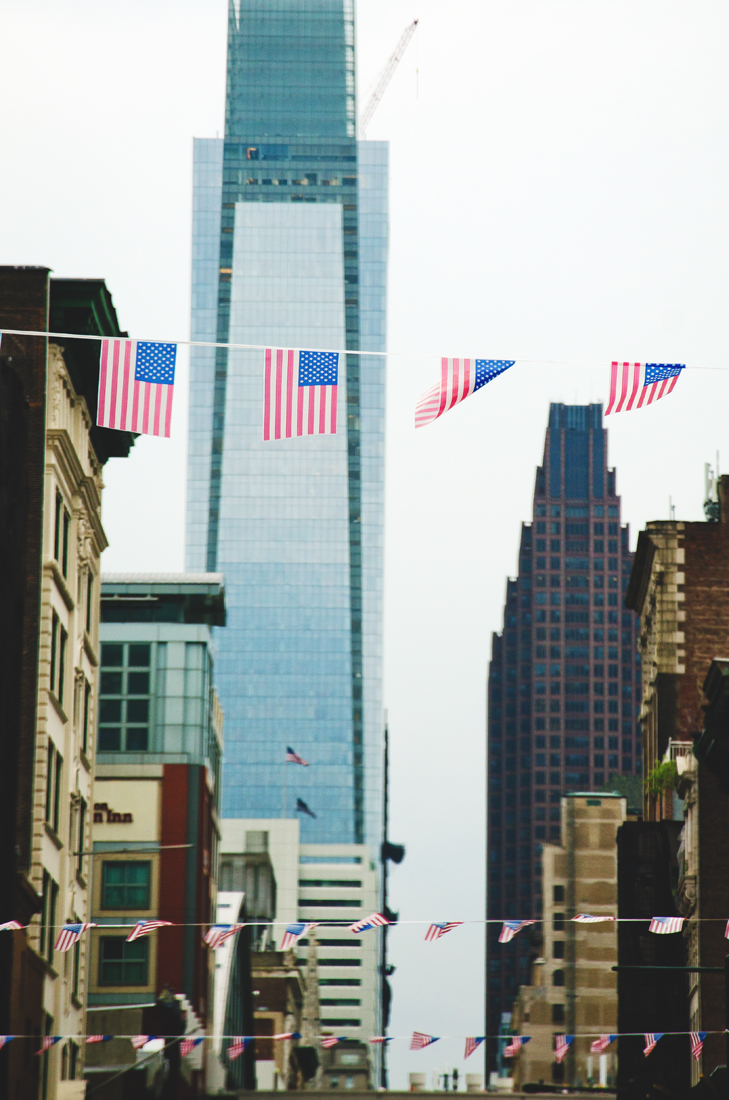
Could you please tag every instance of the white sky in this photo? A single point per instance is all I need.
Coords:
(558, 191)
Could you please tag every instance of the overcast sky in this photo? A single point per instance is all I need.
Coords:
(558, 192)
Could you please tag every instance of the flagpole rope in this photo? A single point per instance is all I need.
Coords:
(600, 364)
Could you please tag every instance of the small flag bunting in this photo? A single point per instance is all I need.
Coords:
(11, 926)
(697, 1043)
(136, 383)
(292, 757)
(238, 1045)
(47, 1042)
(138, 1041)
(562, 1044)
(293, 934)
(651, 1038)
(601, 1044)
(515, 1045)
(511, 927)
(666, 925)
(299, 393)
(440, 928)
(69, 935)
(328, 1040)
(98, 1038)
(472, 1041)
(419, 1040)
(646, 381)
(375, 920)
(381, 1039)
(145, 927)
(586, 918)
(188, 1045)
(5, 1039)
(726, 931)
(217, 934)
(459, 378)
(288, 1035)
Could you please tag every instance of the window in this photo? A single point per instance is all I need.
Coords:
(125, 699)
(123, 963)
(558, 893)
(48, 917)
(125, 885)
(86, 718)
(89, 600)
(557, 1014)
(558, 922)
(558, 949)
(558, 977)
(54, 772)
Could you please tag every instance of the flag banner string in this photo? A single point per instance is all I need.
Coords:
(295, 1036)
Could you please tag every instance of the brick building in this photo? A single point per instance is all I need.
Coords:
(680, 588)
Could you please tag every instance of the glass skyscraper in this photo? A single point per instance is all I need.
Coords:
(290, 250)
(564, 684)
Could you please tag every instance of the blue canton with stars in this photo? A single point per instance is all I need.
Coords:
(318, 368)
(658, 372)
(488, 369)
(155, 363)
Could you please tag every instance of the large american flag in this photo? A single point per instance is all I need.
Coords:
(515, 1045)
(136, 380)
(441, 927)
(697, 1043)
(375, 920)
(299, 393)
(647, 382)
(651, 1038)
(144, 927)
(586, 918)
(237, 1047)
(217, 934)
(420, 1040)
(601, 1044)
(459, 378)
(511, 927)
(472, 1041)
(666, 925)
(69, 935)
(562, 1044)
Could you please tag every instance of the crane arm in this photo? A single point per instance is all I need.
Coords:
(386, 77)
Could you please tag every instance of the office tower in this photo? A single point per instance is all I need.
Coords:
(563, 686)
(290, 250)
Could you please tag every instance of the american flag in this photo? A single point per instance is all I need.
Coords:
(440, 928)
(47, 1042)
(217, 934)
(10, 925)
(299, 393)
(420, 1040)
(292, 757)
(459, 378)
(188, 1045)
(288, 1035)
(515, 1045)
(136, 381)
(138, 1041)
(375, 920)
(472, 1041)
(585, 918)
(98, 1038)
(697, 1043)
(601, 1044)
(293, 934)
(238, 1045)
(328, 1040)
(511, 927)
(562, 1044)
(5, 1039)
(650, 1041)
(144, 927)
(302, 808)
(381, 1039)
(69, 935)
(651, 380)
(666, 925)
(726, 931)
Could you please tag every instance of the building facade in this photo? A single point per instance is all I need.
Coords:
(562, 694)
(290, 249)
(155, 824)
(574, 990)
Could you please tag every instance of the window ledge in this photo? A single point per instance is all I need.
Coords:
(85, 760)
(81, 881)
(51, 832)
(57, 705)
(90, 651)
(76, 1001)
(61, 583)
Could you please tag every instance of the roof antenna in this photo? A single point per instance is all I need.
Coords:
(711, 495)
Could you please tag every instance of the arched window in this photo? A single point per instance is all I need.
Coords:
(558, 977)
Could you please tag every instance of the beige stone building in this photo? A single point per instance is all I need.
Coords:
(574, 990)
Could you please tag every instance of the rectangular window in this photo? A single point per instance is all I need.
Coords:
(48, 917)
(55, 627)
(125, 885)
(86, 718)
(58, 528)
(123, 963)
(62, 642)
(54, 773)
(125, 698)
(89, 600)
(64, 549)
(81, 837)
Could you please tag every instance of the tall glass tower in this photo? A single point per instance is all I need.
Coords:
(564, 684)
(290, 250)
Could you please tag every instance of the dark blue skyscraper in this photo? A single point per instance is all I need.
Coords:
(563, 689)
(290, 250)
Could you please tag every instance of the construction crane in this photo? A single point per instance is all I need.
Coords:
(386, 77)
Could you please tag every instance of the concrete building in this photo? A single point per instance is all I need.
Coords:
(562, 697)
(332, 885)
(680, 588)
(574, 989)
(51, 461)
(156, 796)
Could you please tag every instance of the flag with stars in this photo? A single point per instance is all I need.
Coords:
(562, 1044)
(697, 1043)
(515, 1045)
(238, 1045)
(647, 382)
(293, 934)
(666, 925)
(188, 1045)
(47, 1042)
(136, 381)
(459, 378)
(10, 926)
(651, 1038)
(138, 1041)
(381, 1039)
(328, 1041)
(98, 1038)
(69, 935)
(292, 757)
(421, 1040)
(5, 1039)
(472, 1041)
(441, 927)
(511, 927)
(299, 393)
(375, 920)
(601, 1044)
(217, 934)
